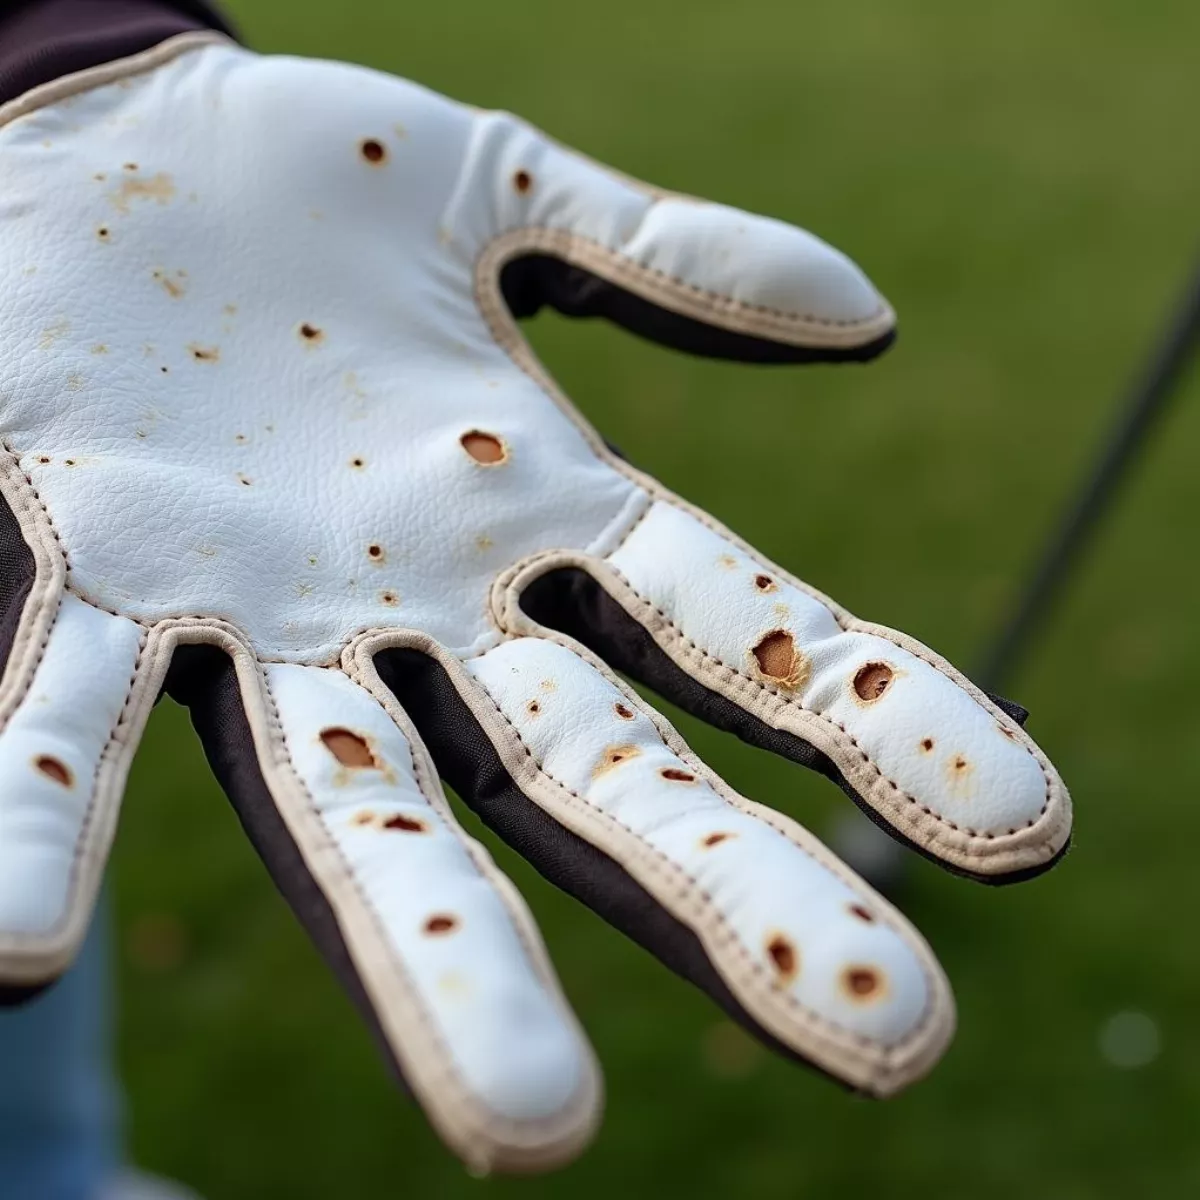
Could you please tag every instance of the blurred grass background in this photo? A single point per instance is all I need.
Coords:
(1022, 180)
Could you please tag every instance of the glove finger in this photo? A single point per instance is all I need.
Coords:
(71, 716)
(545, 225)
(709, 623)
(424, 931)
(605, 800)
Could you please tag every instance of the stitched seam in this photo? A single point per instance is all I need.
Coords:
(624, 265)
(19, 697)
(485, 1117)
(694, 650)
(660, 864)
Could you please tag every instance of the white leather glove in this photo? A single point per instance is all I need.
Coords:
(274, 442)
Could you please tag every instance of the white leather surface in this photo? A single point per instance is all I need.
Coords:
(505, 1034)
(68, 716)
(567, 714)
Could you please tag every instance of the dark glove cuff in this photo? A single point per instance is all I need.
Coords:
(41, 40)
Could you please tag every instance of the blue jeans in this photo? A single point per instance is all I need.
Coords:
(59, 1104)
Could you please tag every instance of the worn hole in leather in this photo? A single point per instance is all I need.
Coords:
(765, 583)
(441, 923)
(373, 150)
(310, 332)
(533, 708)
(861, 983)
(783, 956)
(927, 744)
(780, 661)
(485, 448)
(349, 748)
(614, 756)
(623, 711)
(872, 681)
(677, 776)
(375, 552)
(54, 768)
(404, 824)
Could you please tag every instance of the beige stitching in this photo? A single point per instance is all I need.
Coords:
(81, 81)
(39, 596)
(611, 263)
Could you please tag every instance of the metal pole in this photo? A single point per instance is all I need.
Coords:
(1147, 403)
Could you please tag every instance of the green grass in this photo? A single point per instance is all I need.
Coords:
(1022, 180)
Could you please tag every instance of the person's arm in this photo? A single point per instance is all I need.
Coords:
(42, 40)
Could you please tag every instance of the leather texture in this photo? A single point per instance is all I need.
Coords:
(261, 390)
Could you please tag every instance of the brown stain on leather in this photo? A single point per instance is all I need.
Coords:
(310, 334)
(623, 711)
(399, 823)
(204, 354)
(159, 187)
(675, 775)
(54, 768)
(373, 151)
(765, 584)
(172, 286)
(863, 913)
(863, 985)
(522, 181)
(959, 771)
(715, 839)
(613, 757)
(784, 956)
(441, 923)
